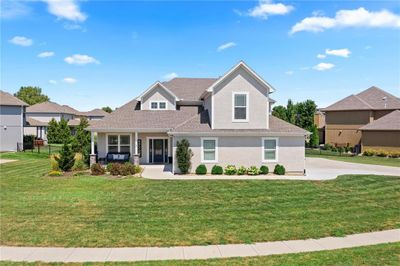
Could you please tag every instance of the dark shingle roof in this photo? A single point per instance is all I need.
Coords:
(390, 121)
(189, 89)
(370, 99)
(50, 107)
(94, 112)
(10, 100)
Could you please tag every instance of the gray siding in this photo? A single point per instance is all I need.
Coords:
(240, 81)
(11, 127)
(247, 151)
(158, 94)
(208, 106)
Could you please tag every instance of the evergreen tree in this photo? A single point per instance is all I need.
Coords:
(81, 141)
(66, 159)
(53, 132)
(280, 112)
(183, 155)
(291, 112)
(65, 132)
(314, 138)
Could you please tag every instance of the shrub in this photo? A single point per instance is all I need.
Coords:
(183, 155)
(334, 149)
(230, 170)
(217, 170)
(327, 147)
(279, 169)
(382, 154)
(97, 169)
(340, 149)
(201, 170)
(66, 160)
(369, 153)
(314, 138)
(264, 170)
(128, 169)
(55, 173)
(116, 169)
(241, 170)
(79, 164)
(252, 170)
(138, 169)
(108, 167)
(54, 162)
(394, 155)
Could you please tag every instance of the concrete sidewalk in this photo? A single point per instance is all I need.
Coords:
(32, 254)
(317, 169)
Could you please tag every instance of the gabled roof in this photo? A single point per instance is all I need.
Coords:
(155, 85)
(390, 121)
(94, 112)
(50, 107)
(189, 89)
(372, 98)
(10, 100)
(242, 65)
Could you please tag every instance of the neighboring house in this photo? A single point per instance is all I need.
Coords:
(12, 120)
(226, 121)
(383, 133)
(95, 114)
(345, 118)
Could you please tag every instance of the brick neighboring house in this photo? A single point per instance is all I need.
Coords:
(346, 118)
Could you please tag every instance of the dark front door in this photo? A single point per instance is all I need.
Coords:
(158, 150)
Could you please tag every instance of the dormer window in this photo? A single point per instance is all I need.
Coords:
(240, 107)
(158, 105)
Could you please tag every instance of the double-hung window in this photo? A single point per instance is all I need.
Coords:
(118, 143)
(270, 149)
(209, 153)
(158, 105)
(240, 107)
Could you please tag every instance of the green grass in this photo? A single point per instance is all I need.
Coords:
(100, 212)
(354, 159)
(384, 254)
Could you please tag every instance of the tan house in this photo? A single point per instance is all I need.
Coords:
(345, 118)
(226, 121)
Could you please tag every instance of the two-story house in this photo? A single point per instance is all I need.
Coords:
(226, 121)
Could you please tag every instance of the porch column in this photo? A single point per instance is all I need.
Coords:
(136, 155)
(92, 154)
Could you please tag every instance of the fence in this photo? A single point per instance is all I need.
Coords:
(45, 149)
(319, 151)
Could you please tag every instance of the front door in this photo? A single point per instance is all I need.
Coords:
(158, 150)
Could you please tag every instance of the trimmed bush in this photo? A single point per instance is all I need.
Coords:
(264, 170)
(128, 169)
(340, 149)
(241, 170)
(369, 153)
(183, 155)
(217, 170)
(253, 170)
(279, 169)
(382, 154)
(230, 170)
(116, 169)
(201, 170)
(327, 147)
(55, 173)
(108, 167)
(97, 169)
(394, 155)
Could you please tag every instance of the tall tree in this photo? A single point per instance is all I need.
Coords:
(65, 132)
(31, 95)
(53, 132)
(305, 114)
(291, 113)
(81, 141)
(107, 109)
(280, 112)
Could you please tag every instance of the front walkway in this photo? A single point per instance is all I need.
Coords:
(32, 254)
(317, 169)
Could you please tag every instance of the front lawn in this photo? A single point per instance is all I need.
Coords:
(353, 159)
(101, 212)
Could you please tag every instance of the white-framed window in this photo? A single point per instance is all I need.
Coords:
(118, 143)
(270, 149)
(240, 107)
(158, 105)
(209, 150)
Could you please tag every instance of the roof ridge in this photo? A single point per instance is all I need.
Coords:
(361, 99)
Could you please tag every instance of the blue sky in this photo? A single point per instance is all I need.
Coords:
(91, 54)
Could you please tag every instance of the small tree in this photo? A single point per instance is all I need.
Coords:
(314, 138)
(65, 132)
(67, 158)
(53, 132)
(81, 141)
(183, 155)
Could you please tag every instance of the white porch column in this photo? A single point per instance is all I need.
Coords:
(136, 155)
(92, 154)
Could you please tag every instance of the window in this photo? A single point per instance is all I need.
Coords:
(158, 105)
(209, 150)
(240, 106)
(118, 143)
(270, 149)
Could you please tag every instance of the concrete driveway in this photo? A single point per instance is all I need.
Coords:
(317, 169)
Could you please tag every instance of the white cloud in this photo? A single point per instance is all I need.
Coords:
(338, 52)
(11, 9)
(52, 81)
(21, 41)
(267, 8)
(349, 18)
(66, 9)
(323, 66)
(69, 80)
(170, 76)
(320, 56)
(290, 72)
(81, 59)
(225, 46)
(46, 54)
